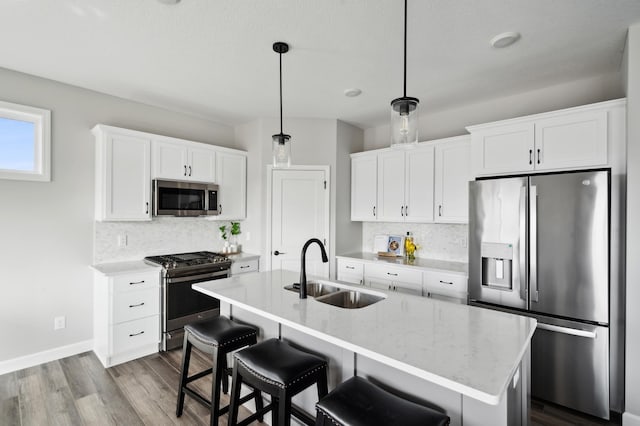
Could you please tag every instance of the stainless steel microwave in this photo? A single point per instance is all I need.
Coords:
(181, 198)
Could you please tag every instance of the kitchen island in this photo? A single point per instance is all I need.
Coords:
(472, 363)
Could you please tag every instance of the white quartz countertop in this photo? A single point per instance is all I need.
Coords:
(432, 264)
(469, 350)
(119, 268)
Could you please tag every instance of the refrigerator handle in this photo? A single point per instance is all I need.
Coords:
(533, 243)
(523, 243)
(567, 330)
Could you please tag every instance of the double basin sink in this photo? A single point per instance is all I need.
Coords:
(338, 296)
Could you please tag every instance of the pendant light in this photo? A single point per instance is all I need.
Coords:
(281, 142)
(404, 110)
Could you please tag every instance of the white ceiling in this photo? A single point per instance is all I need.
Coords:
(213, 58)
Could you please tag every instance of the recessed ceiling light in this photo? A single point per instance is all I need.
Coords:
(504, 39)
(352, 93)
(169, 1)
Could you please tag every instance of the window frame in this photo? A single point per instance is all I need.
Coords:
(41, 118)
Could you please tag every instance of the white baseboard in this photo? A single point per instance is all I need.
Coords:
(629, 419)
(27, 361)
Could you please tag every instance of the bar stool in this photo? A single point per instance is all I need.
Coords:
(216, 337)
(276, 368)
(358, 402)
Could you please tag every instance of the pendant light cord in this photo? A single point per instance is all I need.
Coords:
(280, 54)
(405, 52)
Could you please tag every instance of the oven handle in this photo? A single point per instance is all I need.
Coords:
(211, 275)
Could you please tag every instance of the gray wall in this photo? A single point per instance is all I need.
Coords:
(632, 375)
(46, 228)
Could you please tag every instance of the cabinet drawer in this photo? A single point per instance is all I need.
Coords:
(350, 278)
(395, 274)
(139, 281)
(445, 284)
(243, 266)
(131, 305)
(132, 334)
(349, 267)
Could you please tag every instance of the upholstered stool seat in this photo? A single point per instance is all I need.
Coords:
(282, 371)
(216, 337)
(357, 402)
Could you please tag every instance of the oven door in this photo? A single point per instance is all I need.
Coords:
(176, 198)
(182, 305)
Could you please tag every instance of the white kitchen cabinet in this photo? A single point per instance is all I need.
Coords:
(183, 160)
(126, 318)
(406, 185)
(567, 139)
(243, 266)
(350, 271)
(386, 277)
(446, 284)
(364, 179)
(123, 174)
(231, 177)
(452, 176)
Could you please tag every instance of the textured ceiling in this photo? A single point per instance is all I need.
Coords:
(213, 58)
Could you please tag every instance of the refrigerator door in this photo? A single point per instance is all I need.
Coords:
(570, 365)
(498, 241)
(569, 246)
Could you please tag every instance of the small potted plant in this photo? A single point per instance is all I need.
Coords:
(223, 233)
(229, 234)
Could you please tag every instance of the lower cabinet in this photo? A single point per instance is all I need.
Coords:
(445, 285)
(244, 266)
(126, 318)
(403, 280)
(350, 271)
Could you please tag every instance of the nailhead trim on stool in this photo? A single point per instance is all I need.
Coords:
(282, 371)
(357, 402)
(216, 337)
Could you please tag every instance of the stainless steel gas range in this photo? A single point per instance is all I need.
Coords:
(181, 304)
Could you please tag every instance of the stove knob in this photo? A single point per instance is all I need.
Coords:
(166, 265)
(174, 265)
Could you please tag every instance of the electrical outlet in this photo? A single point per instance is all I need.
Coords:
(247, 236)
(59, 323)
(122, 240)
(463, 242)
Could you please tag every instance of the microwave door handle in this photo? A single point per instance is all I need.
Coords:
(533, 234)
(522, 245)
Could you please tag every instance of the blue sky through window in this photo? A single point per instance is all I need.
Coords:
(17, 144)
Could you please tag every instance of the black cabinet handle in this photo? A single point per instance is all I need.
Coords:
(189, 170)
(136, 334)
(440, 210)
(538, 155)
(185, 170)
(374, 210)
(136, 282)
(446, 282)
(135, 306)
(350, 267)
(406, 210)
(530, 156)
(246, 266)
(147, 208)
(401, 210)
(393, 275)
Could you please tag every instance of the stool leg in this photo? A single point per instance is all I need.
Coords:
(225, 377)
(259, 404)
(284, 410)
(184, 372)
(219, 373)
(275, 404)
(236, 385)
(322, 385)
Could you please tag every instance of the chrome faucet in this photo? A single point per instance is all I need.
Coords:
(303, 268)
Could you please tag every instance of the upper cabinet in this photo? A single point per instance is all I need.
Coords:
(231, 176)
(568, 139)
(182, 160)
(364, 189)
(128, 160)
(452, 180)
(123, 174)
(425, 184)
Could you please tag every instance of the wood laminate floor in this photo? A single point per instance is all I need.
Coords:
(79, 391)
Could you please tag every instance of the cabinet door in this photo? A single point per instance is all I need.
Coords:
(572, 140)
(202, 164)
(378, 283)
(452, 182)
(408, 288)
(503, 149)
(170, 160)
(419, 185)
(364, 172)
(350, 271)
(391, 176)
(127, 182)
(231, 172)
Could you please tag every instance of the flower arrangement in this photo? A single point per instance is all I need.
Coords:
(230, 244)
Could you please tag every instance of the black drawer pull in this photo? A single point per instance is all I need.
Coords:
(135, 306)
(446, 282)
(136, 282)
(136, 334)
(350, 267)
(245, 266)
(393, 275)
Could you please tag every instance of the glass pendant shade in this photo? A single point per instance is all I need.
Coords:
(404, 122)
(281, 150)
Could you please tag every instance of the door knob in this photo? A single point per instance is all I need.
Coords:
(277, 253)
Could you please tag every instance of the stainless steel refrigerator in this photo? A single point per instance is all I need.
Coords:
(539, 245)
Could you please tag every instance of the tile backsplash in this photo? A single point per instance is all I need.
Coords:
(437, 241)
(162, 235)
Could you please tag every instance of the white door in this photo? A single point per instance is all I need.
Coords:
(419, 185)
(452, 182)
(503, 149)
(391, 186)
(300, 211)
(170, 160)
(364, 172)
(231, 171)
(202, 164)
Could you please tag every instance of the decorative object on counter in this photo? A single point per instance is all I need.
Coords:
(396, 245)
(410, 247)
(281, 142)
(231, 245)
(380, 242)
(404, 110)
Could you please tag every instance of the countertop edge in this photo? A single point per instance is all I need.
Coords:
(461, 267)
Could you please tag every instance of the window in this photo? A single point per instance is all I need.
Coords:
(25, 142)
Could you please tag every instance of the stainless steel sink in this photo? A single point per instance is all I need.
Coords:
(349, 299)
(315, 289)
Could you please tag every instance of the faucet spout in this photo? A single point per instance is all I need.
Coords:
(303, 262)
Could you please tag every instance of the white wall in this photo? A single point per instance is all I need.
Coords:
(452, 122)
(46, 229)
(631, 416)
